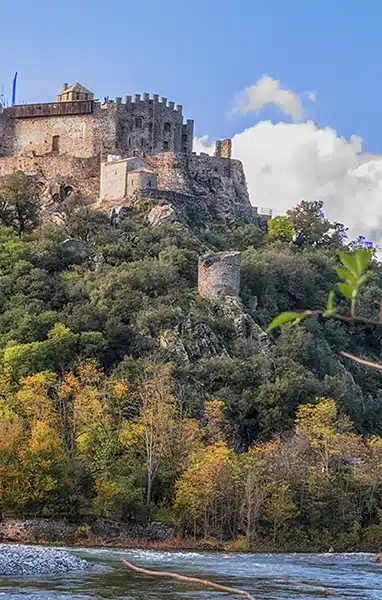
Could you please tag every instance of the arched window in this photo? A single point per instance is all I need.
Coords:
(167, 127)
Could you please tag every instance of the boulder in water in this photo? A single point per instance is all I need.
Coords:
(378, 558)
(36, 560)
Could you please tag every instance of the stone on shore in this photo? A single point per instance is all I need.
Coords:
(36, 560)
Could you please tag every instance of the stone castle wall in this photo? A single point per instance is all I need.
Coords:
(7, 135)
(143, 126)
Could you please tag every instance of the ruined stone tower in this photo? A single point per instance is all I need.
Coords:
(219, 275)
(224, 148)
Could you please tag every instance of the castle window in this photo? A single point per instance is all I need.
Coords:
(184, 137)
(56, 143)
(149, 183)
(77, 95)
(165, 145)
(138, 122)
(150, 127)
(86, 96)
(142, 142)
(167, 127)
(129, 141)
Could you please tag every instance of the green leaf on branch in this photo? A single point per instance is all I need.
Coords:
(345, 275)
(357, 262)
(288, 318)
(282, 319)
(346, 289)
(363, 258)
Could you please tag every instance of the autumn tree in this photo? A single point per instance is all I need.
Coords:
(207, 494)
(155, 428)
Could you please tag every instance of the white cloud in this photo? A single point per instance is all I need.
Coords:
(268, 91)
(285, 163)
(203, 144)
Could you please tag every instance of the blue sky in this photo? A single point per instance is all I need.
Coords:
(201, 53)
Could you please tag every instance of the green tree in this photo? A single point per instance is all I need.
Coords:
(313, 229)
(19, 203)
(281, 228)
(280, 508)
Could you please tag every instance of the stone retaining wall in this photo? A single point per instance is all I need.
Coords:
(61, 531)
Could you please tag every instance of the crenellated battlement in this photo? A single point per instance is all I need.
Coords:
(141, 99)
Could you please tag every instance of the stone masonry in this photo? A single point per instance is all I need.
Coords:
(219, 275)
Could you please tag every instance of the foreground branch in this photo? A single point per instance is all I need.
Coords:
(362, 361)
(205, 582)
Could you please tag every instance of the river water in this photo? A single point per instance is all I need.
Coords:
(265, 576)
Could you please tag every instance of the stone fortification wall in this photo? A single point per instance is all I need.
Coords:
(219, 275)
(77, 135)
(7, 137)
(83, 173)
(172, 172)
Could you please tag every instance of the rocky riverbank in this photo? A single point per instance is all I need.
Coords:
(34, 560)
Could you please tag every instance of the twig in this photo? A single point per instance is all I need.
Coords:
(362, 361)
(205, 582)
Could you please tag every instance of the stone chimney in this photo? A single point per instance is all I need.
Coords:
(219, 275)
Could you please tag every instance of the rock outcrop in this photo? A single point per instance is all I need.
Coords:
(161, 215)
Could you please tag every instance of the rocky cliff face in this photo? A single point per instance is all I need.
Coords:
(197, 334)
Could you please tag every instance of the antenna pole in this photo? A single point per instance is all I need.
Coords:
(14, 89)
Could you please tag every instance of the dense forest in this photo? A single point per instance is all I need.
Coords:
(125, 394)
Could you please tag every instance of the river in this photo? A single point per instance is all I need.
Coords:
(265, 576)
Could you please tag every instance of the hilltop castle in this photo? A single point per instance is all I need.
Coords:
(112, 150)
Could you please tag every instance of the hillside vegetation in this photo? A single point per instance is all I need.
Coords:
(124, 394)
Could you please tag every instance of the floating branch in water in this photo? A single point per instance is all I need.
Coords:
(204, 582)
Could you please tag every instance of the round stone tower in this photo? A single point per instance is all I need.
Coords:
(219, 275)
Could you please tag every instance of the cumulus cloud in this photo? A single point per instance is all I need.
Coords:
(286, 163)
(289, 162)
(269, 91)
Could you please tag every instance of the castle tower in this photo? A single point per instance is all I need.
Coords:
(74, 93)
(219, 275)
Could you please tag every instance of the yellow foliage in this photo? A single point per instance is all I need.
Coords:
(34, 398)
